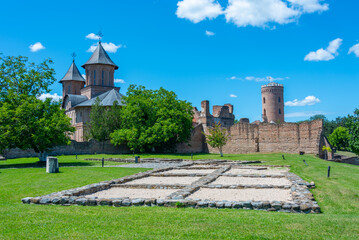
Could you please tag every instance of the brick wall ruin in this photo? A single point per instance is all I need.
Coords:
(265, 137)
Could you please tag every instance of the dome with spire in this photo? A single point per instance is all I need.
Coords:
(73, 74)
(100, 56)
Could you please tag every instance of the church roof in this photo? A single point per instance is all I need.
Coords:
(106, 99)
(100, 56)
(74, 99)
(73, 74)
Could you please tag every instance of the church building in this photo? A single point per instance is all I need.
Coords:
(79, 94)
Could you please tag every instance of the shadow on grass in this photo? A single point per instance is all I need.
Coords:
(43, 164)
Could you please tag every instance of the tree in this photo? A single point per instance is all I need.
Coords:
(340, 138)
(103, 121)
(153, 120)
(217, 137)
(25, 121)
(353, 126)
(19, 77)
(35, 124)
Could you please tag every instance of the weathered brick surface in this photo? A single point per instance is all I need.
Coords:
(265, 137)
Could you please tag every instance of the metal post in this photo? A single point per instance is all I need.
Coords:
(103, 162)
(283, 157)
(305, 162)
(76, 156)
(328, 171)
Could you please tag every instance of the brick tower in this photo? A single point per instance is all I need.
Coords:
(272, 102)
(99, 73)
(72, 82)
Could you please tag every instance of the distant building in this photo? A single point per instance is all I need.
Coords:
(220, 114)
(79, 94)
(272, 103)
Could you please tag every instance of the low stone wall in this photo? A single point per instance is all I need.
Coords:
(303, 200)
(90, 147)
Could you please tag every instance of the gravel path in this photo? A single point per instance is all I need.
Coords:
(149, 165)
(243, 194)
(164, 180)
(252, 181)
(117, 192)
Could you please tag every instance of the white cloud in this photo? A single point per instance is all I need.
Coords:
(36, 47)
(54, 96)
(93, 36)
(259, 79)
(209, 33)
(308, 101)
(310, 6)
(325, 54)
(198, 10)
(303, 114)
(257, 13)
(109, 47)
(118, 80)
(232, 96)
(354, 49)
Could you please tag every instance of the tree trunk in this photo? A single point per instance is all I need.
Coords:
(42, 156)
(220, 151)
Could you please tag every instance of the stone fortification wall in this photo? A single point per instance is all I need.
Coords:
(74, 148)
(265, 137)
(244, 138)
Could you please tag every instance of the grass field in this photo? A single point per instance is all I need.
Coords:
(338, 197)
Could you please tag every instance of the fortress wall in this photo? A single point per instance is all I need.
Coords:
(265, 137)
(196, 143)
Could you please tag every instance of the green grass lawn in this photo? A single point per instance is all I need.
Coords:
(348, 154)
(338, 197)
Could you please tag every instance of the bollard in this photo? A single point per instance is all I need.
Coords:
(52, 165)
(328, 171)
(283, 157)
(136, 159)
(103, 162)
(305, 162)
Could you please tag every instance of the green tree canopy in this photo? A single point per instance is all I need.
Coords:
(103, 121)
(153, 119)
(353, 126)
(34, 124)
(340, 138)
(217, 137)
(25, 121)
(19, 77)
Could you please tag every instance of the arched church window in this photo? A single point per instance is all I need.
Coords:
(94, 77)
(103, 80)
(279, 99)
(68, 89)
(264, 100)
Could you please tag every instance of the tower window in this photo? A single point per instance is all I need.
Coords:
(264, 112)
(94, 77)
(69, 89)
(279, 111)
(264, 100)
(278, 99)
(102, 78)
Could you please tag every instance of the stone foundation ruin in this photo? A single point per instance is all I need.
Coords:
(199, 184)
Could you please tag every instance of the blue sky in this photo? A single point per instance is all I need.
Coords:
(221, 51)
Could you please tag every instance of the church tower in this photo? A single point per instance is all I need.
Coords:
(272, 102)
(72, 82)
(100, 71)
